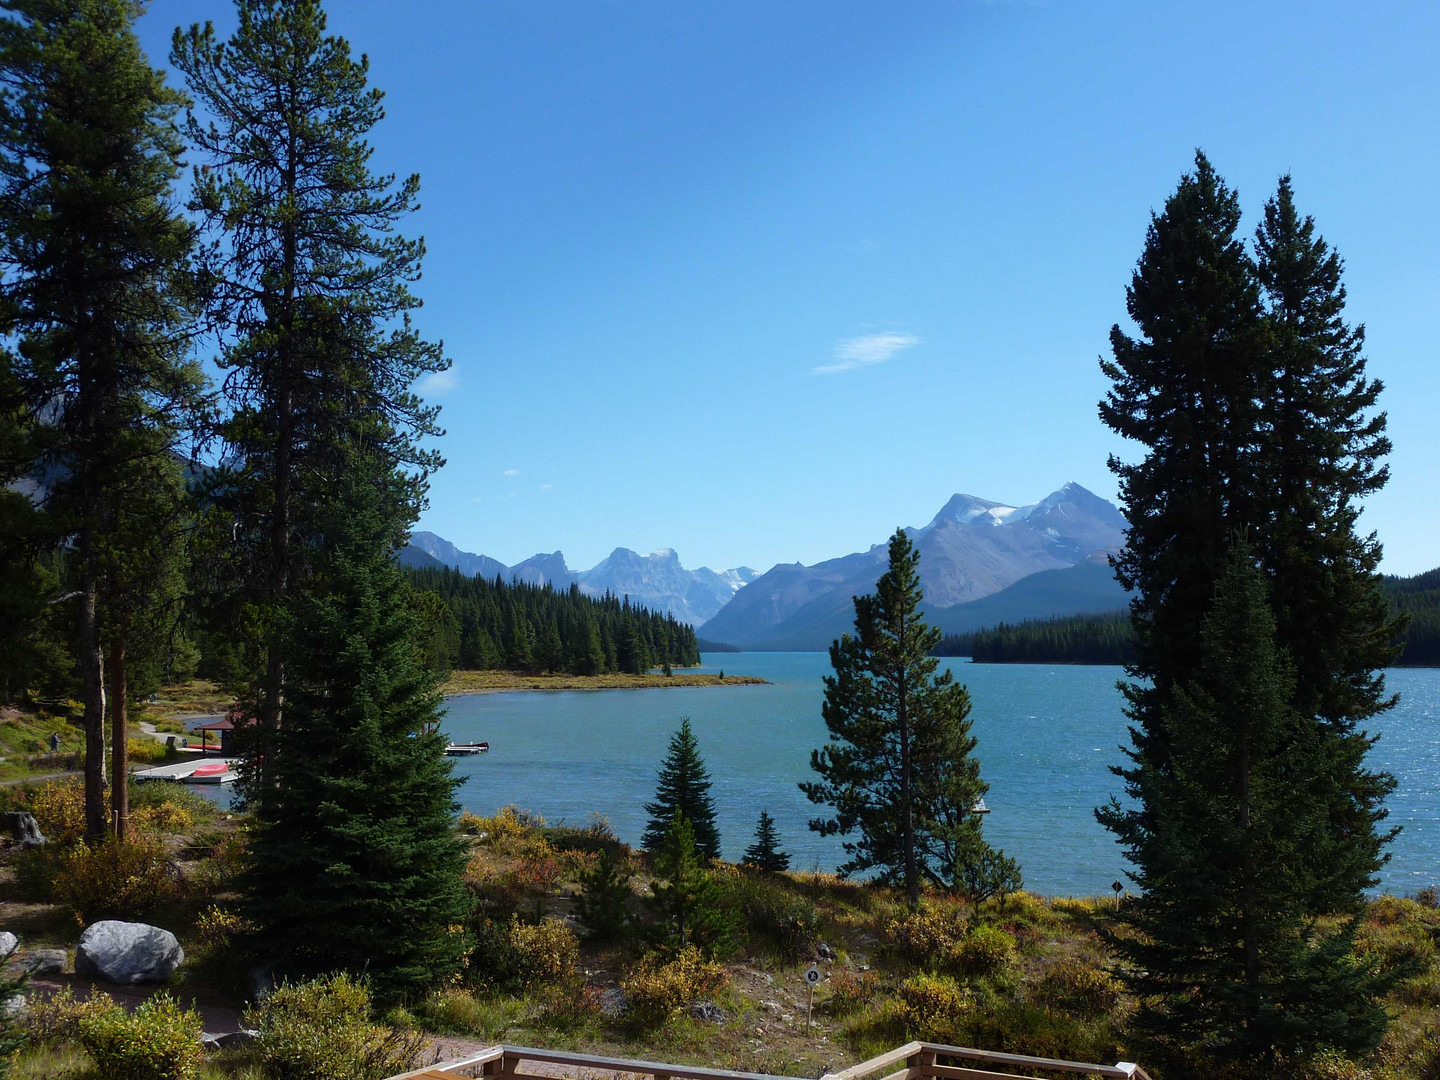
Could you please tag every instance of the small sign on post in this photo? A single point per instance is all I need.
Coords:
(1119, 888)
(812, 977)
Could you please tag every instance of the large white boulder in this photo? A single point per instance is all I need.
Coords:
(125, 952)
(8, 943)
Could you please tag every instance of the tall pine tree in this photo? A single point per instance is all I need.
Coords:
(899, 768)
(95, 297)
(1248, 393)
(1230, 964)
(355, 863)
(683, 787)
(1324, 451)
(302, 237)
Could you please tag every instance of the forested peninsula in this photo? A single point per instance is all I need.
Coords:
(486, 625)
(1105, 637)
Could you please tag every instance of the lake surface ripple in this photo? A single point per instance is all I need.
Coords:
(1047, 739)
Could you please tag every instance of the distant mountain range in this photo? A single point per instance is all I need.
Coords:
(656, 581)
(980, 562)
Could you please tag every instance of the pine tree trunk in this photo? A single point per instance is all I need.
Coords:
(92, 678)
(119, 708)
(907, 801)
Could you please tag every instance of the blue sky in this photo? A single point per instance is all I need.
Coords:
(761, 281)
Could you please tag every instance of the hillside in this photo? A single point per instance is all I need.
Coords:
(1102, 636)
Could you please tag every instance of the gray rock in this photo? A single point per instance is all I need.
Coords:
(824, 951)
(128, 953)
(13, 1006)
(243, 1037)
(24, 828)
(707, 1011)
(210, 1043)
(45, 962)
(8, 943)
(613, 1002)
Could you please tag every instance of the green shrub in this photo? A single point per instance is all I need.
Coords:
(792, 922)
(56, 1019)
(146, 751)
(119, 879)
(1073, 986)
(1422, 991)
(59, 809)
(460, 1012)
(852, 990)
(1020, 1028)
(1403, 949)
(158, 1041)
(544, 952)
(322, 1030)
(656, 990)
(170, 798)
(934, 1006)
(603, 903)
(985, 952)
(929, 938)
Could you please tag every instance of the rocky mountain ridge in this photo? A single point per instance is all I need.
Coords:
(657, 581)
(972, 548)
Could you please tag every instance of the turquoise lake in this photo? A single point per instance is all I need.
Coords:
(1047, 738)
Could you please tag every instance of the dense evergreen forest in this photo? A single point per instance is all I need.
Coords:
(480, 624)
(1104, 638)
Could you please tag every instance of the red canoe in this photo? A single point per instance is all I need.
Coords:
(214, 768)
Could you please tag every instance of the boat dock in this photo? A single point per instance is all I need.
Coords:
(203, 770)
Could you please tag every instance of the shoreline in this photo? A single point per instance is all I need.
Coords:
(463, 683)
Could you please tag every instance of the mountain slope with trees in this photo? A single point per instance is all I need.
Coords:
(1104, 637)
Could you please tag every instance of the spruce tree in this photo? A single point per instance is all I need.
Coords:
(899, 768)
(683, 787)
(355, 863)
(95, 294)
(1187, 387)
(603, 903)
(1229, 962)
(765, 853)
(1324, 450)
(692, 907)
(302, 239)
(1248, 393)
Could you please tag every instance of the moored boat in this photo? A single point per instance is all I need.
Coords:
(465, 749)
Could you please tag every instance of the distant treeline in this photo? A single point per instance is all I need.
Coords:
(717, 646)
(1418, 597)
(1073, 639)
(485, 624)
(1104, 638)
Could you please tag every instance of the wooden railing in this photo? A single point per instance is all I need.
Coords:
(922, 1061)
(913, 1061)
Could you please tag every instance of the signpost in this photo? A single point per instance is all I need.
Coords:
(812, 977)
(1119, 888)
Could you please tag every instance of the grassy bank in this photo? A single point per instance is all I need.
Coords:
(1025, 974)
(480, 682)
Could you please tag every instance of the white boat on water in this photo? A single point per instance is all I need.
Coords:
(466, 749)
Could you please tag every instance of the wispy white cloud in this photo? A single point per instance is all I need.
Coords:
(546, 487)
(437, 383)
(866, 350)
(511, 472)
